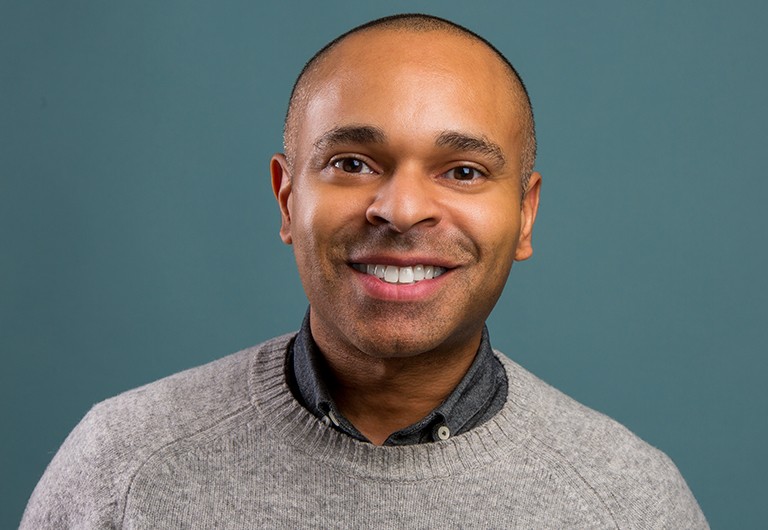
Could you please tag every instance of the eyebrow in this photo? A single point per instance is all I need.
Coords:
(368, 134)
(465, 142)
(351, 134)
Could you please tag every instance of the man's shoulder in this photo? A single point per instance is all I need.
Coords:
(186, 402)
(570, 426)
(634, 480)
(92, 471)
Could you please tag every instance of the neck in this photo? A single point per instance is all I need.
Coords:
(380, 396)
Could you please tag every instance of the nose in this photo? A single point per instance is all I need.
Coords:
(404, 200)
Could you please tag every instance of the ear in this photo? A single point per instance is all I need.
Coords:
(281, 187)
(528, 210)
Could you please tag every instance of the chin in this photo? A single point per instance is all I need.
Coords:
(390, 345)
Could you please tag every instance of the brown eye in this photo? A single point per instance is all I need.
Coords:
(464, 173)
(352, 165)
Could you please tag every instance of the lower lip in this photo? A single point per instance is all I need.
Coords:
(399, 292)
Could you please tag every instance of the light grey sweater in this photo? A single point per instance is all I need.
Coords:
(226, 445)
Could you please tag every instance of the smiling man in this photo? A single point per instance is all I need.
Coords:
(407, 191)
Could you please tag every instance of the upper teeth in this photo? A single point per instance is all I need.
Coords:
(395, 274)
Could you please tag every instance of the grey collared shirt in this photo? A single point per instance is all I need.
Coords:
(476, 399)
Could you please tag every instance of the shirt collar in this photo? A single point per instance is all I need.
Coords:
(478, 396)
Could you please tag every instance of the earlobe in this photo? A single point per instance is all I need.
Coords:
(281, 187)
(528, 211)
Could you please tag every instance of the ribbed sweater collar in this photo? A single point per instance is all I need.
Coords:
(478, 396)
(292, 424)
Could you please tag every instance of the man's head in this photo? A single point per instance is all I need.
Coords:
(303, 87)
(409, 150)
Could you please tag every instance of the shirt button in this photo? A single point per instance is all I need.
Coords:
(332, 417)
(443, 432)
(326, 421)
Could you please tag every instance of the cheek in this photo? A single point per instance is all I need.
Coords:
(494, 226)
(321, 214)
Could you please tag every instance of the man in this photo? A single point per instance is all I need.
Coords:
(407, 190)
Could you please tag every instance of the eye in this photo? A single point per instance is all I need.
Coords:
(464, 174)
(352, 165)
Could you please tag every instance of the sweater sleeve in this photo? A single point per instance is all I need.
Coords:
(675, 505)
(79, 487)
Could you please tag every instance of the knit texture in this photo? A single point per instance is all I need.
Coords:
(226, 445)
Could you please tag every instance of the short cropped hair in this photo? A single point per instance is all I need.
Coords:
(414, 22)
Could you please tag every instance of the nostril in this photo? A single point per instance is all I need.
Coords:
(403, 204)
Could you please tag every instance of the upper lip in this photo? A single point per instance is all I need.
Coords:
(403, 261)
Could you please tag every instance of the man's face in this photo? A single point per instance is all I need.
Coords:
(406, 166)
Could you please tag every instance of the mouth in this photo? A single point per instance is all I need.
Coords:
(400, 275)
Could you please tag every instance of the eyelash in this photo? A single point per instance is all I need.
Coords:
(366, 169)
(478, 175)
(337, 162)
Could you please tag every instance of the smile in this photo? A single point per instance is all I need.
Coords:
(395, 274)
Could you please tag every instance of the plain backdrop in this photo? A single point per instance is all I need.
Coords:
(138, 232)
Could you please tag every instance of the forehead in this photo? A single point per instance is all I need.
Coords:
(426, 81)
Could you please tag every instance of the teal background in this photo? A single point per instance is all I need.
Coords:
(138, 234)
